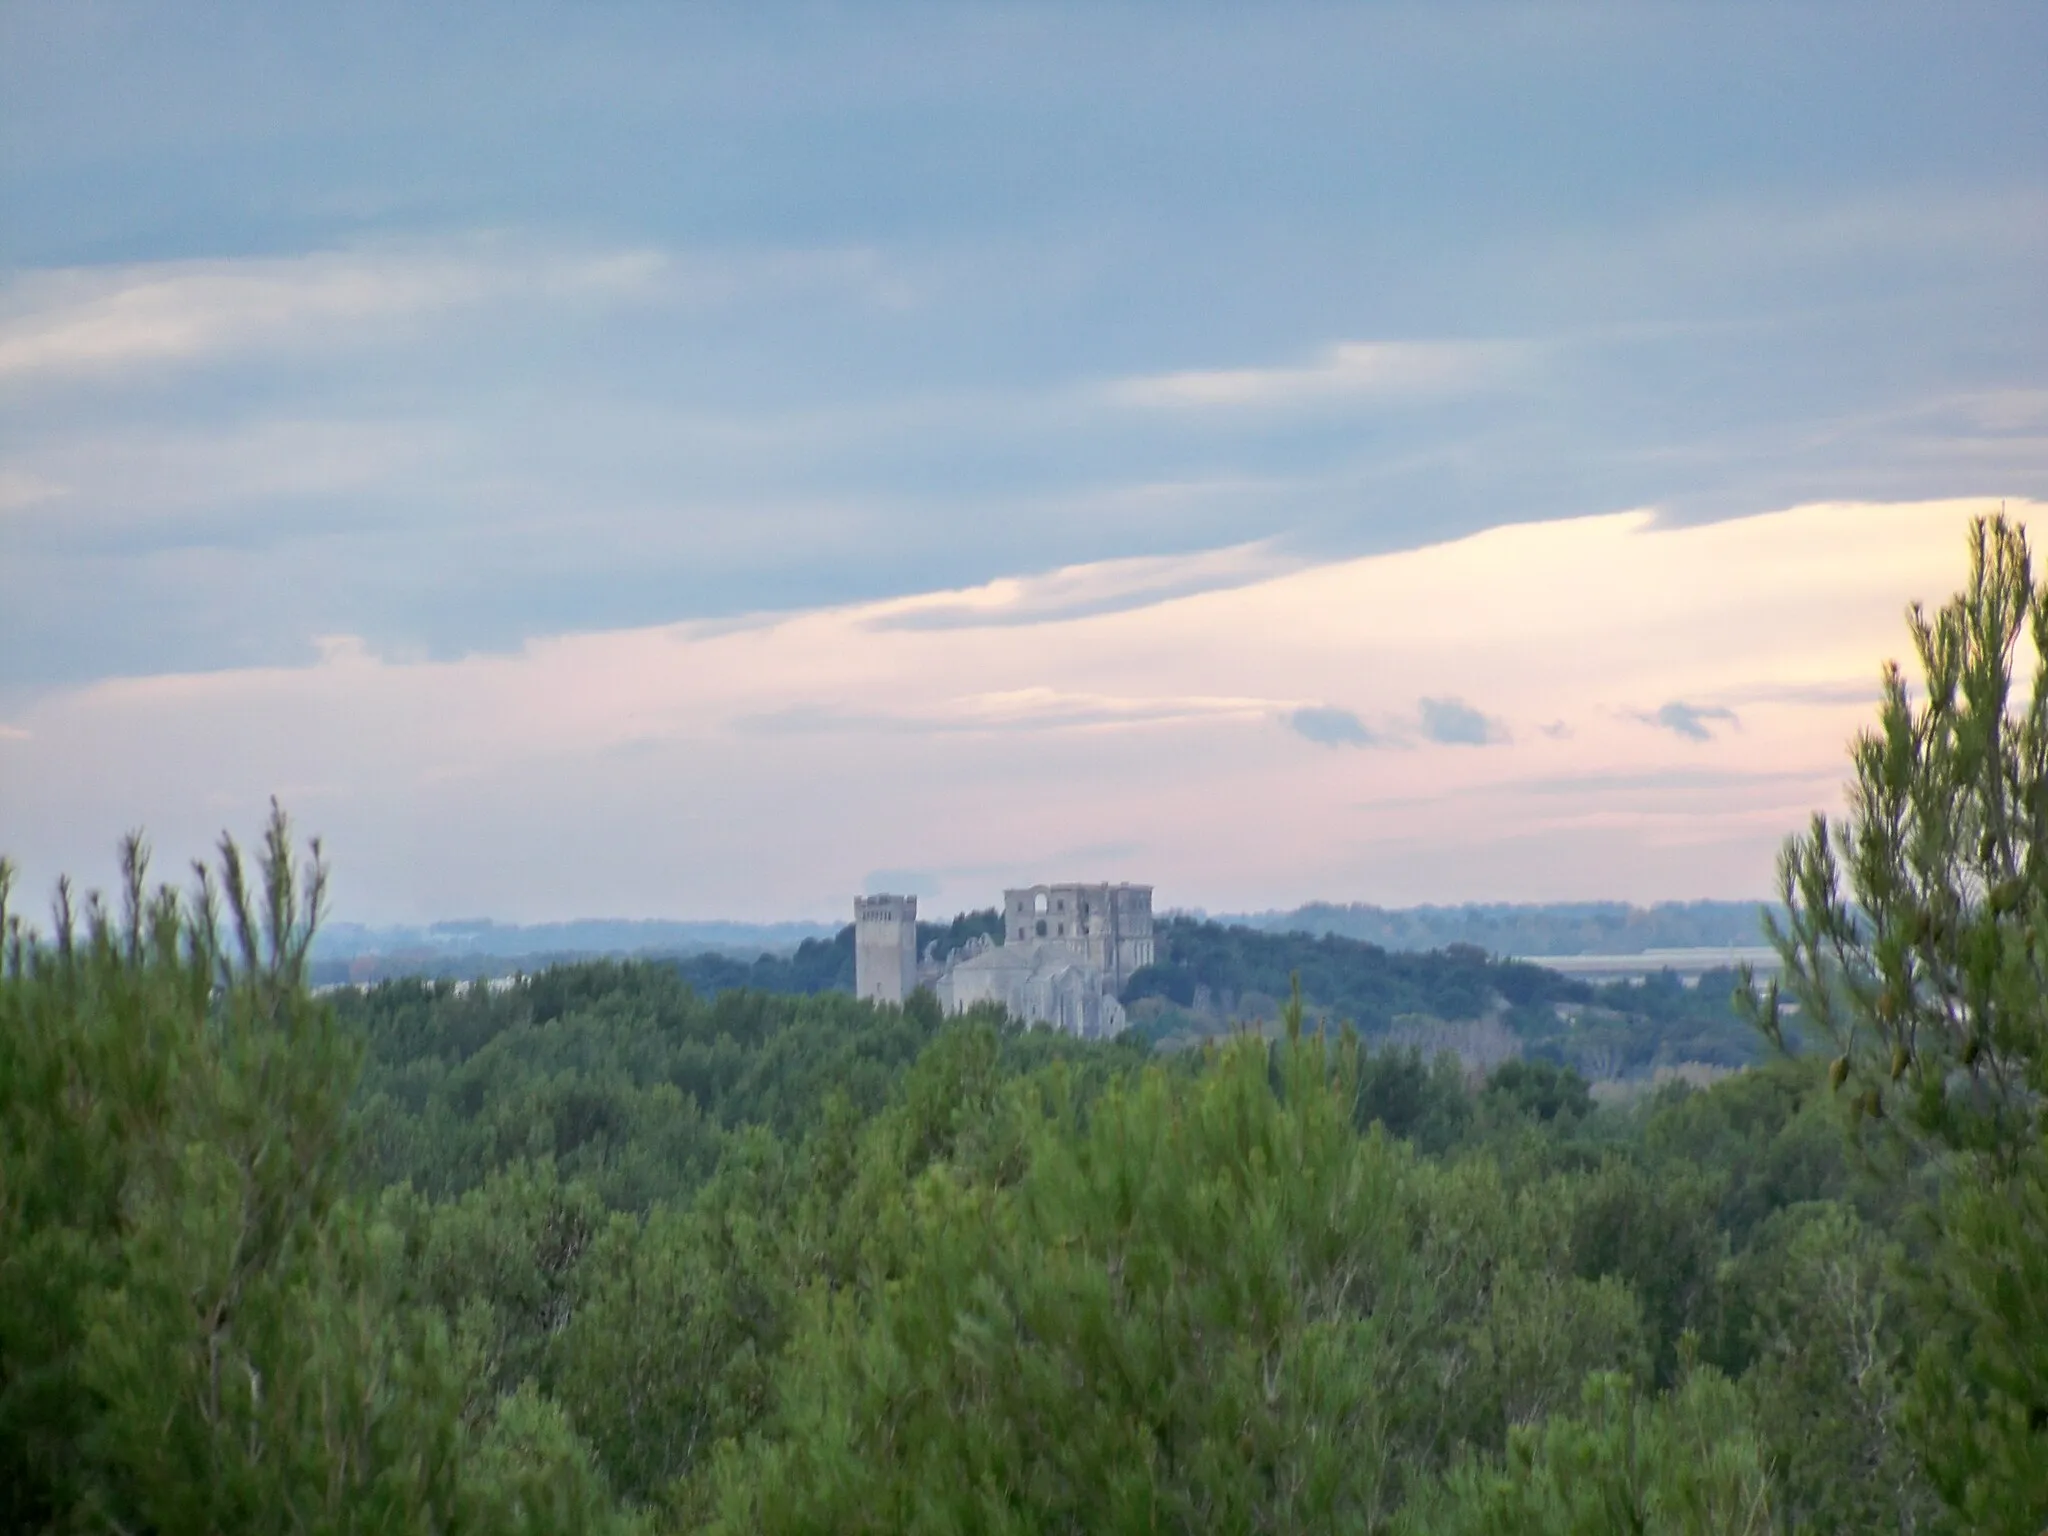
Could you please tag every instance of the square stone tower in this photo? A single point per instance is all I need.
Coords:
(884, 948)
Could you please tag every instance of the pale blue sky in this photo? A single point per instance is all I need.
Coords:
(450, 330)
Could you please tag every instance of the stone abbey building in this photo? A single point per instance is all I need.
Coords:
(1065, 954)
(1110, 926)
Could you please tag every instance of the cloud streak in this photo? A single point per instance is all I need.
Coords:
(1346, 370)
(1080, 591)
(1018, 710)
(88, 321)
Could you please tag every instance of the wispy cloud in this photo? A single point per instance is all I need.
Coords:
(90, 319)
(58, 322)
(1041, 708)
(1030, 710)
(1692, 721)
(1453, 722)
(1077, 591)
(1384, 369)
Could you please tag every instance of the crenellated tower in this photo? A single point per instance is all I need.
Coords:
(884, 948)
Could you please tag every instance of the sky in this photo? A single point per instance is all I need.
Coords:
(658, 461)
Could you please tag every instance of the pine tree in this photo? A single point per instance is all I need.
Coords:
(1916, 943)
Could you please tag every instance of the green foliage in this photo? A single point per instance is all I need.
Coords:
(1916, 942)
(1977, 1408)
(532, 1475)
(1820, 1319)
(1538, 1090)
(668, 1348)
(1772, 1135)
(1688, 1464)
(1631, 1028)
(501, 1263)
(615, 1072)
(198, 1329)
(1205, 1304)
(1425, 1103)
(1209, 978)
(1657, 1231)
(1360, 983)
(816, 965)
(1928, 972)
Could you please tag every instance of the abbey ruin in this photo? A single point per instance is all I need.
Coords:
(1066, 952)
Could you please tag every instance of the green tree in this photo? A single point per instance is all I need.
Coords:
(1539, 1090)
(1916, 941)
(501, 1265)
(199, 1329)
(1819, 1315)
(1686, 1464)
(1202, 1301)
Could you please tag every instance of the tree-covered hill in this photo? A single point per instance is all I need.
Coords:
(1211, 978)
(1360, 983)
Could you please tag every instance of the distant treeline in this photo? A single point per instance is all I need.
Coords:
(1565, 928)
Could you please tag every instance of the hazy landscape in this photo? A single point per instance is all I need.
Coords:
(1034, 768)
